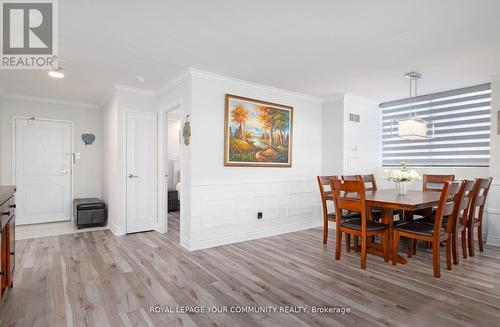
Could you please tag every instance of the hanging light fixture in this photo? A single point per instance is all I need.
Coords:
(413, 128)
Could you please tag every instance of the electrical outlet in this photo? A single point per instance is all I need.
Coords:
(259, 215)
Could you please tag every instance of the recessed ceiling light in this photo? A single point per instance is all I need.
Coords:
(140, 80)
(56, 73)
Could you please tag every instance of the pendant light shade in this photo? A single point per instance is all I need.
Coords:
(413, 128)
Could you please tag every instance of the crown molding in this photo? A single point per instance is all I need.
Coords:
(50, 100)
(179, 78)
(194, 71)
(362, 99)
(334, 97)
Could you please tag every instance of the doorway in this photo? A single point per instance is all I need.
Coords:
(42, 170)
(169, 164)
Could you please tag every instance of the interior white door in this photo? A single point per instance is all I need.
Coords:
(141, 147)
(42, 170)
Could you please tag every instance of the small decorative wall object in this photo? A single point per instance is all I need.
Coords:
(88, 139)
(257, 133)
(186, 132)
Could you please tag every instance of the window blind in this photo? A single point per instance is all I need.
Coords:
(461, 123)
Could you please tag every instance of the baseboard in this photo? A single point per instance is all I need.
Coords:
(116, 230)
(492, 240)
(194, 245)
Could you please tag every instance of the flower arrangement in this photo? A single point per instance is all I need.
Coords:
(403, 174)
(402, 177)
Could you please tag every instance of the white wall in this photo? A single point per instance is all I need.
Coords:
(361, 141)
(494, 196)
(332, 137)
(109, 162)
(225, 200)
(86, 119)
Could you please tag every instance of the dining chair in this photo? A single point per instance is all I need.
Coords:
(477, 220)
(470, 192)
(433, 233)
(370, 186)
(351, 196)
(326, 195)
(432, 183)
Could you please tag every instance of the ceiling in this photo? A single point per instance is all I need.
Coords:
(321, 48)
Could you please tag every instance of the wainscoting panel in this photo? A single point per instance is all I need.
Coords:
(224, 213)
(493, 215)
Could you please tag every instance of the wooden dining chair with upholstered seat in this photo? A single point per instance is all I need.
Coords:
(434, 233)
(432, 183)
(326, 195)
(476, 219)
(351, 196)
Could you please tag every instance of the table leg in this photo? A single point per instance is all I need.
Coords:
(387, 218)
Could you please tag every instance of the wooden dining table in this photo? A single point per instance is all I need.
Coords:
(387, 200)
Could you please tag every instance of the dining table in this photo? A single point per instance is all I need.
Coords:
(388, 200)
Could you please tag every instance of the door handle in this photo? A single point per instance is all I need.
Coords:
(65, 171)
(132, 176)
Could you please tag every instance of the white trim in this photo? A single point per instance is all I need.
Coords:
(193, 245)
(492, 240)
(72, 143)
(179, 78)
(252, 84)
(162, 188)
(253, 181)
(137, 90)
(115, 230)
(335, 97)
(49, 100)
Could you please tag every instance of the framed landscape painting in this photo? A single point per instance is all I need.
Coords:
(257, 133)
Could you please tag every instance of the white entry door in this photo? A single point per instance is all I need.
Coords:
(42, 170)
(141, 171)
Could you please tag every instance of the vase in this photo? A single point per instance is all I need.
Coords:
(402, 188)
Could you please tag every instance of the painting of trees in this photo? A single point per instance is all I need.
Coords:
(257, 133)
(240, 115)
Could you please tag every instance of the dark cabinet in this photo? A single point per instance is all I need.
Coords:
(7, 237)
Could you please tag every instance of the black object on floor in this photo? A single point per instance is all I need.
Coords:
(89, 212)
(173, 200)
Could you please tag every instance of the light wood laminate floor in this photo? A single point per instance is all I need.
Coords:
(97, 279)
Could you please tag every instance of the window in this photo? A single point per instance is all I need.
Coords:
(461, 129)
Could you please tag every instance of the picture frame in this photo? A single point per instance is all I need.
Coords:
(257, 133)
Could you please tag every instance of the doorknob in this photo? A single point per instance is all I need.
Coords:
(65, 171)
(132, 176)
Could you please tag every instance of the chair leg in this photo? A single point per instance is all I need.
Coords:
(356, 243)
(386, 245)
(454, 246)
(464, 244)
(448, 254)
(470, 240)
(395, 247)
(364, 240)
(415, 247)
(480, 237)
(436, 264)
(338, 243)
(411, 241)
(348, 242)
(325, 230)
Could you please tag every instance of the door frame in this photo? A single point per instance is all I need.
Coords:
(125, 166)
(162, 164)
(72, 163)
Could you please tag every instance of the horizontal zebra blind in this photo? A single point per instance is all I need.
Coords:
(462, 129)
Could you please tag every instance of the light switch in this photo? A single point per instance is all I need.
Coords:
(77, 155)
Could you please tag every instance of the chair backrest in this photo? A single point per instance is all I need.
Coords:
(483, 188)
(435, 182)
(349, 195)
(447, 204)
(326, 194)
(459, 196)
(468, 197)
(369, 180)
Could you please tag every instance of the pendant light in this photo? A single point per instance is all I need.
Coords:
(413, 128)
